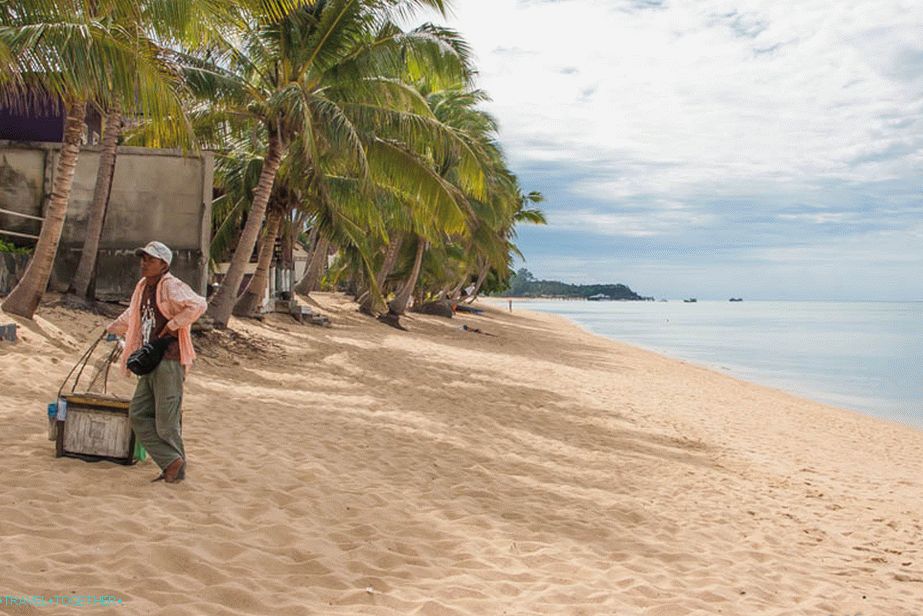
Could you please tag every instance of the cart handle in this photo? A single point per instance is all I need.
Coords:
(82, 364)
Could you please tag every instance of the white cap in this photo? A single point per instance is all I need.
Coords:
(157, 250)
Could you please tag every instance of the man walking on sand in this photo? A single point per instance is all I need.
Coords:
(161, 306)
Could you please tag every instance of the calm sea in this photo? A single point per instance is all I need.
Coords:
(866, 356)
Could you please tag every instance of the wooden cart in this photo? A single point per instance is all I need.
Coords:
(93, 426)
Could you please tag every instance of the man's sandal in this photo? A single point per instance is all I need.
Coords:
(175, 471)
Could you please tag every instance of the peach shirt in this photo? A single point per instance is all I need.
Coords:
(177, 302)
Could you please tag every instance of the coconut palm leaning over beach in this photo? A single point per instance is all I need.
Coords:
(297, 77)
(359, 137)
(175, 24)
(435, 253)
(72, 54)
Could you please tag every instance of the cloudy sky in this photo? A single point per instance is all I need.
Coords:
(713, 148)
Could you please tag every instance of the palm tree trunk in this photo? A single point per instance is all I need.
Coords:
(223, 301)
(391, 255)
(24, 299)
(249, 303)
(311, 245)
(367, 303)
(454, 293)
(398, 305)
(80, 286)
(482, 276)
(312, 276)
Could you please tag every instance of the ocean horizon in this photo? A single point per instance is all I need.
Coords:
(859, 355)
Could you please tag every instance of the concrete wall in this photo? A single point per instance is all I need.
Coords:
(156, 195)
(12, 267)
(22, 188)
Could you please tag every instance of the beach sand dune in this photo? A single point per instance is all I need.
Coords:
(362, 470)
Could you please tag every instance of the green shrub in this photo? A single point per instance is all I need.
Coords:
(13, 249)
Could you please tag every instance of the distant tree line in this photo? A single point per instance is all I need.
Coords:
(524, 284)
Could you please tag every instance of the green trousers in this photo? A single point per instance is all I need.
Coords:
(156, 412)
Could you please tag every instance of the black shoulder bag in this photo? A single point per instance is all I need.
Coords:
(145, 359)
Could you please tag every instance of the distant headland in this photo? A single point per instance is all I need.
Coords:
(524, 284)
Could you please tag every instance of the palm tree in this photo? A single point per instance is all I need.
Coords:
(180, 23)
(80, 285)
(457, 260)
(252, 298)
(76, 52)
(289, 196)
(454, 106)
(437, 251)
(311, 77)
(494, 250)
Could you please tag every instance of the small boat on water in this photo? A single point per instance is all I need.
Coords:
(736, 299)
(691, 300)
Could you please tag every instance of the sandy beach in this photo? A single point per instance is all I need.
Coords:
(358, 469)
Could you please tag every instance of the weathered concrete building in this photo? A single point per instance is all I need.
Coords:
(156, 194)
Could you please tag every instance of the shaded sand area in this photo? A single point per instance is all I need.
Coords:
(363, 470)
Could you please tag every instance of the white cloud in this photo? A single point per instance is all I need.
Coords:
(794, 129)
(741, 90)
(655, 219)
